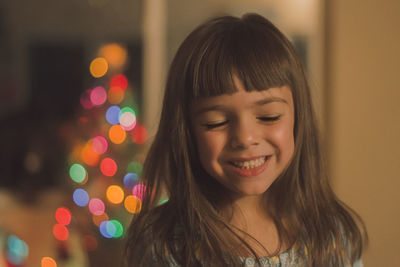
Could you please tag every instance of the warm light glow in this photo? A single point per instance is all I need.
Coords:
(139, 134)
(97, 219)
(115, 194)
(108, 167)
(132, 204)
(117, 134)
(89, 156)
(63, 216)
(98, 96)
(115, 55)
(119, 81)
(60, 232)
(98, 67)
(99, 145)
(115, 95)
(48, 262)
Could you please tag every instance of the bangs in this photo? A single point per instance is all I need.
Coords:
(252, 52)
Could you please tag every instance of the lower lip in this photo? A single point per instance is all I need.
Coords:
(250, 172)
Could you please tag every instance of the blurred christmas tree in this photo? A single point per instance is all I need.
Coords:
(106, 158)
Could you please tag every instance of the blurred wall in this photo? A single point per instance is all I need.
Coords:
(364, 129)
(86, 22)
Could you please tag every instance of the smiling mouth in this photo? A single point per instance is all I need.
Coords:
(249, 164)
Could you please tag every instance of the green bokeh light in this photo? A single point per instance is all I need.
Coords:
(77, 172)
(135, 167)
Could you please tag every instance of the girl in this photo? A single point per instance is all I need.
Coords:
(237, 153)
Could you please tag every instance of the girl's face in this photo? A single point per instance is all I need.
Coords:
(245, 139)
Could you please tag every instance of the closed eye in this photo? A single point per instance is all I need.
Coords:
(274, 118)
(214, 125)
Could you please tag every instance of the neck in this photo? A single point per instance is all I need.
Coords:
(249, 216)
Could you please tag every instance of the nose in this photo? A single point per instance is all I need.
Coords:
(244, 134)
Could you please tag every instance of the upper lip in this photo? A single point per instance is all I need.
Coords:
(246, 158)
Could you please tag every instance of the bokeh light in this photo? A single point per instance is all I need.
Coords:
(99, 145)
(96, 206)
(48, 262)
(17, 250)
(89, 156)
(135, 167)
(112, 115)
(126, 109)
(115, 194)
(63, 216)
(163, 200)
(85, 99)
(108, 167)
(139, 134)
(132, 204)
(98, 67)
(77, 172)
(127, 121)
(80, 197)
(107, 229)
(130, 180)
(97, 219)
(117, 134)
(98, 96)
(119, 229)
(60, 232)
(119, 81)
(115, 95)
(114, 53)
(139, 191)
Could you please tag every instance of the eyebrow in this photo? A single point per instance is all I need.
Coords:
(257, 103)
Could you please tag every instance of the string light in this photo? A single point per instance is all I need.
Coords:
(80, 197)
(63, 216)
(108, 167)
(115, 194)
(117, 134)
(98, 67)
(48, 262)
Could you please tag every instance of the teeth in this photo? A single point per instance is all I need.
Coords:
(249, 164)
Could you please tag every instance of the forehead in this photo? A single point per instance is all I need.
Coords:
(244, 99)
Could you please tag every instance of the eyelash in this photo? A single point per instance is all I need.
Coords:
(264, 119)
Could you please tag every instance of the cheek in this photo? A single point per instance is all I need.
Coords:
(209, 147)
(284, 140)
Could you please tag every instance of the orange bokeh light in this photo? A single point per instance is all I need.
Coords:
(98, 67)
(89, 156)
(115, 95)
(48, 262)
(132, 204)
(97, 219)
(115, 194)
(115, 54)
(117, 134)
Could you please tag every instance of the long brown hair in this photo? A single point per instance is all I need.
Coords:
(189, 228)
